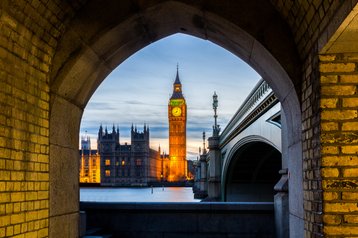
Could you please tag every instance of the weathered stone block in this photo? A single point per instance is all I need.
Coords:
(328, 196)
(329, 102)
(339, 114)
(340, 207)
(351, 219)
(329, 126)
(327, 57)
(351, 172)
(350, 195)
(336, 67)
(349, 79)
(350, 102)
(332, 219)
(340, 230)
(329, 79)
(330, 150)
(330, 172)
(338, 90)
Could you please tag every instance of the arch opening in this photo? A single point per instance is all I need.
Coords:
(253, 173)
(83, 61)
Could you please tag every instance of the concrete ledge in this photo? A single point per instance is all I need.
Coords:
(264, 207)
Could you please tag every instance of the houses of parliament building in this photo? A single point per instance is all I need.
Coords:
(136, 164)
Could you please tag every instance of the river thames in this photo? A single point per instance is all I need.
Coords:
(155, 194)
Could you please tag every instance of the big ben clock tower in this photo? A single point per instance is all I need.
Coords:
(177, 133)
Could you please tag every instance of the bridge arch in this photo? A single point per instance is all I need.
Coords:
(251, 170)
(94, 44)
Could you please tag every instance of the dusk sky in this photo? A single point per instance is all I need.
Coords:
(138, 91)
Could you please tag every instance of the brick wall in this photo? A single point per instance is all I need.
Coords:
(26, 48)
(339, 143)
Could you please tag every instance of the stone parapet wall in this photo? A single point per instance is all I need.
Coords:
(181, 219)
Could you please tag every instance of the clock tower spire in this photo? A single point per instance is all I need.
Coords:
(177, 132)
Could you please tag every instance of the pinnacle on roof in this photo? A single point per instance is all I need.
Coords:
(177, 80)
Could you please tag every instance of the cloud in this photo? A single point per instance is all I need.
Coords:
(103, 106)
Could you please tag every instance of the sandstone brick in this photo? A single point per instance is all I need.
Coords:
(351, 219)
(330, 150)
(327, 57)
(24, 227)
(17, 175)
(349, 79)
(17, 229)
(17, 207)
(32, 234)
(340, 207)
(329, 126)
(329, 102)
(336, 67)
(351, 172)
(2, 209)
(338, 90)
(31, 196)
(332, 219)
(4, 175)
(31, 216)
(350, 149)
(329, 172)
(17, 218)
(42, 194)
(329, 79)
(350, 126)
(350, 195)
(350, 102)
(43, 214)
(340, 230)
(4, 220)
(328, 196)
(9, 231)
(17, 197)
(339, 114)
(43, 232)
(5, 197)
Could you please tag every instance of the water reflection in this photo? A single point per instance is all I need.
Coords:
(157, 194)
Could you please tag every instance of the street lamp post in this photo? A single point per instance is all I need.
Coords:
(216, 127)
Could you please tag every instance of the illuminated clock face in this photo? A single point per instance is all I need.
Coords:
(176, 111)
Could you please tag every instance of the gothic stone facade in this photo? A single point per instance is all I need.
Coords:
(129, 165)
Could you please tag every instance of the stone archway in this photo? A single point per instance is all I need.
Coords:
(91, 48)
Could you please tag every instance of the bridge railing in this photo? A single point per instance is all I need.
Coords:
(259, 100)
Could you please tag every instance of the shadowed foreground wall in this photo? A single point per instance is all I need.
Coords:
(197, 220)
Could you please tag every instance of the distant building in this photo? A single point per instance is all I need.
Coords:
(130, 165)
(191, 169)
(89, 162)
